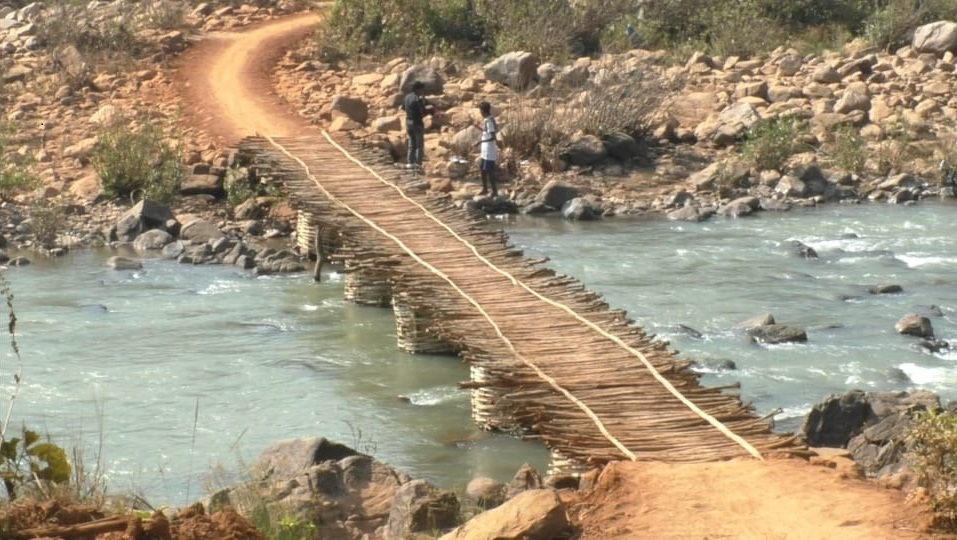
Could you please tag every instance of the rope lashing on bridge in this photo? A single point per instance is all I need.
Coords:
(664, 382)
(544, 376)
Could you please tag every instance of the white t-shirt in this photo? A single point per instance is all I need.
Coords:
(488, 148)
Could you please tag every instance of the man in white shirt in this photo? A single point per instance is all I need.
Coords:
(489, 151)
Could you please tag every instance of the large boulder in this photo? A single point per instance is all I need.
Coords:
(872, 426)
(690, 212)
(117, 262)
(143, 216)
(155, 239)
(200, 230)
(485, 492)
(202, 184)
(835, 420)
(774, 334)
(518, 70)
(579, 209)
(352, 108)
(913, 324)
(584, 150)
(556, 193)
(537, 514)
(621, 146)
(421, 507)
(937, 37)
(430, 77)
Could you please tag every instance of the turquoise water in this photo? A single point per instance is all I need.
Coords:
(710, 276)
(173, 374)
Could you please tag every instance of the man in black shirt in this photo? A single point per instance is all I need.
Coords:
(414, 105)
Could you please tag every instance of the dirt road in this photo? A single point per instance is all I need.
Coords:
(225, 86)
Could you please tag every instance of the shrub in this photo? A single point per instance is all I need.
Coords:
(400, 27)
(138, 163)
(15, 171)
(165, 15)
(769, 143)
(27, 462)
(847, 150)
(47, 220)
(891, 24)
(933, 455)
(896, 151)
(67, 23)
(242, 184)
(621, 103)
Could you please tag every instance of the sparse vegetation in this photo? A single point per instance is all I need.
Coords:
(66, 25)
(285, 527)
(27, 462)
(621, 105)
(241, 184)
(848, 149)
(138, 163)
(16, 174)
(165, 15)
(557, 29)
(47, 219)
(769, 143)
(895, 151)
(933, 455)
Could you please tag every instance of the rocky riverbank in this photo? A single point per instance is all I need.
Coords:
(895, 110)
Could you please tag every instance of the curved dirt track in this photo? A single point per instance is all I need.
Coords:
(225, 82)
(225, 86)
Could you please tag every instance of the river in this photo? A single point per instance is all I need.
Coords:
(175, 377)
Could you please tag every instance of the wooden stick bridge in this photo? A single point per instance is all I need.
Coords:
(549, 359)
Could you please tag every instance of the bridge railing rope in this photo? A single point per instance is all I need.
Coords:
(661, 379)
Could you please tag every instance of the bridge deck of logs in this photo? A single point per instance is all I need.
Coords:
(549, 359)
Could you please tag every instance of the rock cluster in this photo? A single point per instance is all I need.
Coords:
(347, 494)
(872, 426)
(901, 106)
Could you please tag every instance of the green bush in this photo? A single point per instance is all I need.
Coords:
(47, 221)
(848, 149)
(16, 172)
(26, 461)
(68, 23)
(769, 143)
(138, 163)
(399, 27)
(933, 456)
(241, 185)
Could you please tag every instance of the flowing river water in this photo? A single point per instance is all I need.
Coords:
(175, 377)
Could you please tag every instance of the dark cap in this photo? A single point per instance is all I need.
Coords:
(485, 107)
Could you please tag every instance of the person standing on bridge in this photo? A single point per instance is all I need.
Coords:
(488, 149)
(415, 110)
